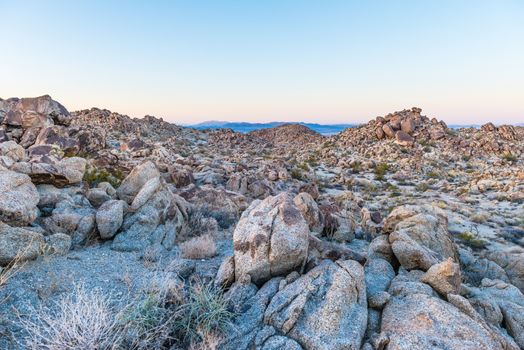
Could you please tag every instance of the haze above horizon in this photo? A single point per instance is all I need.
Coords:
(310, 61)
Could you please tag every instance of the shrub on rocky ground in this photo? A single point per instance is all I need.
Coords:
(201, 247)
(471, 240)
(94, 176)
(381, 170)
(158, 318)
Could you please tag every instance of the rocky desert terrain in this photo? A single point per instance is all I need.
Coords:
(123, 233)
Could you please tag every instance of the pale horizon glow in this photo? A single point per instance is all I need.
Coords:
(333, 61)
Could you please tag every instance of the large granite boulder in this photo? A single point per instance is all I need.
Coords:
(134, 182)
(155, 216)
(420, 236)
(59, 173)
(18, 243)
(109, 218)
(271, 239)
(310, 211)
(18, 198)
(323, 309)
(421, 321)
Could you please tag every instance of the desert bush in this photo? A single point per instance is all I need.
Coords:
(80, 320)
(94, 176)
(422, 187)
(200, 247)
(471, 240)
(157, 318)
(380, 171)
(205, 312)
(356, 167)
(509, 157)
(478, 218)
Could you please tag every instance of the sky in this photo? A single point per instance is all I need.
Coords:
(323, 61)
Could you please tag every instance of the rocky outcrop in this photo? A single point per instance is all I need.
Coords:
(271, 239)
(310, 211)
(109, 218)
(155, 216)
(324, 309)
(420, 236)
(17, 243)
(19, 198)
(420, 321)
(134, 182)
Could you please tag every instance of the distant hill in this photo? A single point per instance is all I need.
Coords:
(245, 127)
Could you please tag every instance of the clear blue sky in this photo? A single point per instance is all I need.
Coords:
(293, 60)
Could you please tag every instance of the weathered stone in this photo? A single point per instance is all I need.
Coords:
(419, 321)
(18, 198)
(226, 273)
(109, 218)
(12, 150)
(444, 277)
(324, 309)
(58, 244)
(134, 182)
(271, 239)
(17, 243)
(421, 238)
(310, 211)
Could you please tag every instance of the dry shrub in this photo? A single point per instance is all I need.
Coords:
(80, 320)
(165, 314)
(201, 247)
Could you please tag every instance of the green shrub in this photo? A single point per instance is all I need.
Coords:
(380, 171)
(205, 311)
(508, 157)
(356, 167)
(422, 187)
(296, 173)
(94, 176)
(471, 240)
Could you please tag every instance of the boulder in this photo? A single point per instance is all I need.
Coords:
(502, 305)
(18, 200)
(226, 273)
(17, 243)
(420, 238)
(58, 244)
(134, 182)
(310, 211)
(271, 239)
(512, 263)
(62, 173)
(378, 276)
(407, 126)
(388, 130)
(72, 216)
(181, 177)
(109, 218)
(323, 309)
(12, 150)
(475, 269)
(421, 321)
(404, 139)
(155, 223)
(444, 277)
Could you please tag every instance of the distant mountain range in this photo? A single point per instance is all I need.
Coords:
(324, 129)
(244, 127)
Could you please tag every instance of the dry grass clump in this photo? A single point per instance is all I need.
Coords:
(479, 218)
(201, 247)
(167, 313)
(80, 320)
